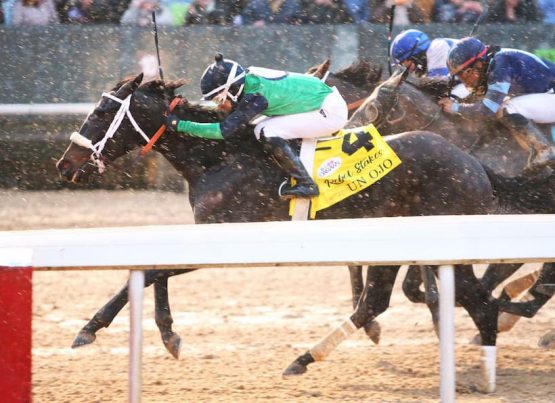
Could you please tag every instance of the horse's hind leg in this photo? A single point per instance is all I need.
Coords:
(483, 311)
(416, 275)
(496, 273)
(411, 285)
(371, 304)
(534, 298)
(431, 294)
(163, 317)
(357, 284)
(372, 328)
(106, 314)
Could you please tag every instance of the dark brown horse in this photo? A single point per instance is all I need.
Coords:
(235, 181)
(396, 106)
(435, 177)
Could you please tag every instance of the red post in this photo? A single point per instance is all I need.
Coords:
(16, 305)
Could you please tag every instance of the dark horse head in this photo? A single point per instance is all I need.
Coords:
(217, 172)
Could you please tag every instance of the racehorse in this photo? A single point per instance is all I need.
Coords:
(235, 181)
(396, 106)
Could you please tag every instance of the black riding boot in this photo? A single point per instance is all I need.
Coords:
(288, 160)
(542, 153)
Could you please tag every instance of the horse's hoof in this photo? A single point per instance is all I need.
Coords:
(83, 338)
(476, 340)
(295, 369)
(484, 387)
(373, 330)
(547, 341)
(173, 345)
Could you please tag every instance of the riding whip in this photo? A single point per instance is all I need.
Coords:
(157, 47)
(391, 15)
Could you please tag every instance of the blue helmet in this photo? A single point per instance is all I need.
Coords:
(409, 43)
(223, 75)
(464, 54)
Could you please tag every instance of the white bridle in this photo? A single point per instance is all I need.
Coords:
(97, 148)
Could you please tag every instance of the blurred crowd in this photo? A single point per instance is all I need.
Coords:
(262, 12)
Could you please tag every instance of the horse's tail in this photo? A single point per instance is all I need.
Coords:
(523, 194)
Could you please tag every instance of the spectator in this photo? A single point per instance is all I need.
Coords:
(203, 12)
(231, 11)
(109, 11)
(513, 11)
(262, 12)
(34, 12)
(139, 13)
(547, 8)
(406, 12)
(177, 10)
(324, 12)
(7, 9)
(79, 12)
(1, 12)
(466, 11)
(359, 10)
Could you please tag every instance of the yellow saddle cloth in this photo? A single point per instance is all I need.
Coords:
(347, 163)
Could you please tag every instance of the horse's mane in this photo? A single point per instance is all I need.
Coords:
(362, 73)
(199, 111)
(434, 88)
(122, 82)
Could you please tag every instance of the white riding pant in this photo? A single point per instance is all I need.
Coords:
(330, 118)
(538, 107)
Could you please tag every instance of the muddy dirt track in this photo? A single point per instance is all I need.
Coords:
(242, 327)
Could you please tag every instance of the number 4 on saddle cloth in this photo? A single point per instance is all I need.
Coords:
(347, 163)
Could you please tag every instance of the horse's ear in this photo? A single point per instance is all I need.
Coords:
(173, 85)
(320, 70)
(129, 87)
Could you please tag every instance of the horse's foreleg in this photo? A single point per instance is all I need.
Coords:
(102, 318)
(497, 273)
(106, 314)
(372, 328)
(475, 299)
(163, 317)
(371, 304)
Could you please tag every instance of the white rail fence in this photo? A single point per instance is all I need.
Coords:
(79, 108)
(441, 240)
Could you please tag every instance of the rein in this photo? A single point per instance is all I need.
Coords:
(122, 112)
(354, 105)
(176, 101)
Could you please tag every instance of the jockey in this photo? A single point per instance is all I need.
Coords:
(519, 91)
(424, 57)
(297, 106)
